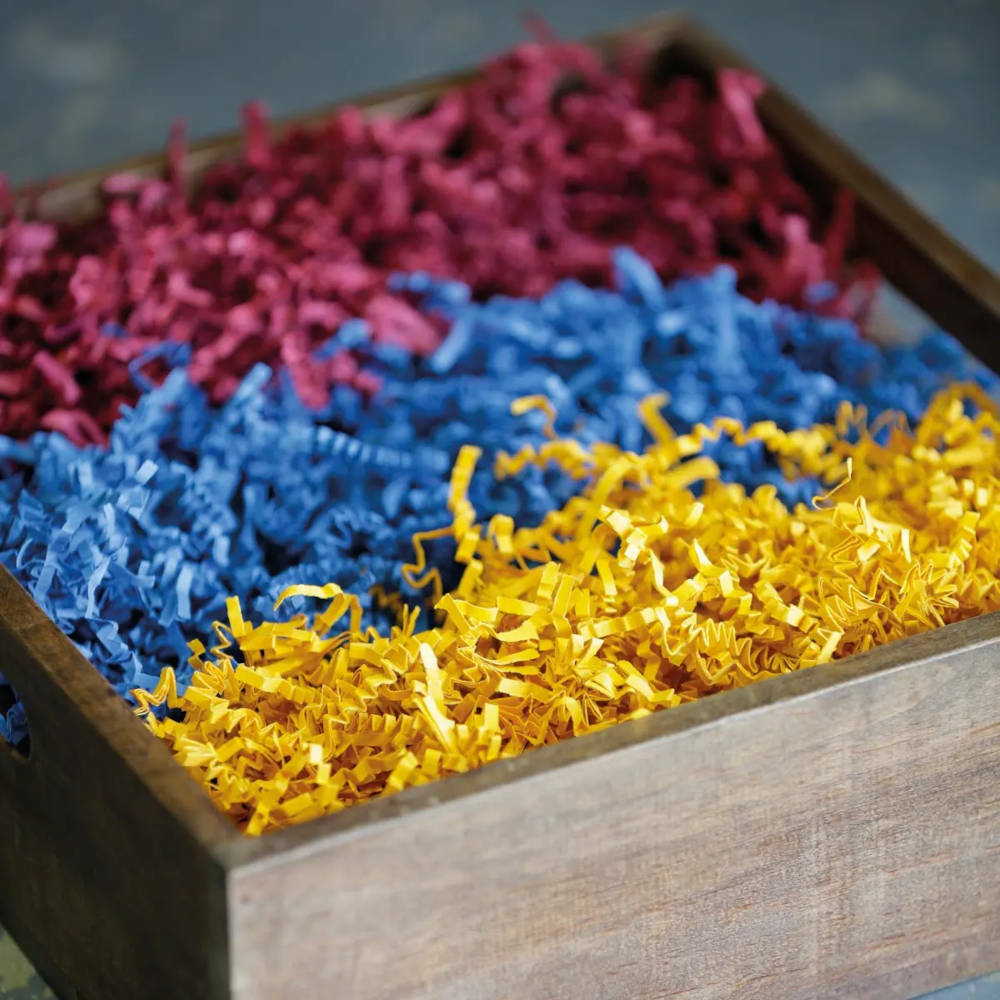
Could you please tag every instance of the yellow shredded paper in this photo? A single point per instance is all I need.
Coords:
(636, 595)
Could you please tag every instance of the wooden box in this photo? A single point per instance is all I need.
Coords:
(829, 833)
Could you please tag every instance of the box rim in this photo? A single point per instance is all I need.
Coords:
(137, 748)
(786, 118)
(788, 690)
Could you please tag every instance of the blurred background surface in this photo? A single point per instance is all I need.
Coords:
(913, 85)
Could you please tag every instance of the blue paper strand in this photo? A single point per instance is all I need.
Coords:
(132, 550)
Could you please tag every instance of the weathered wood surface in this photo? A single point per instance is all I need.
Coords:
(108, 879)
(831, 833)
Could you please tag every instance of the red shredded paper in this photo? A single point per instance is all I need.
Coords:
(529, 174)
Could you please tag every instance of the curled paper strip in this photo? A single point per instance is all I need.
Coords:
(132, 549)
(529, 174)
(636, 595)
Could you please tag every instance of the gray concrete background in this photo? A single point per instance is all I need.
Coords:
(914, 86)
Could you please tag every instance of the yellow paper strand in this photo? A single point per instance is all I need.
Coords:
(635, 596)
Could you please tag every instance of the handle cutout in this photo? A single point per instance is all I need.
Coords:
(15, 731)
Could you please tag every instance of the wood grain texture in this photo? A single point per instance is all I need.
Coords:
(835, 832)
(838, 835)
(106, 851)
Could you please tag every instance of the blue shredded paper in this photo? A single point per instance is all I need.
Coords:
(132, 550)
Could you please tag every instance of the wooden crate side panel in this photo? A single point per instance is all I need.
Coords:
(107, 892)
(843, 843)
